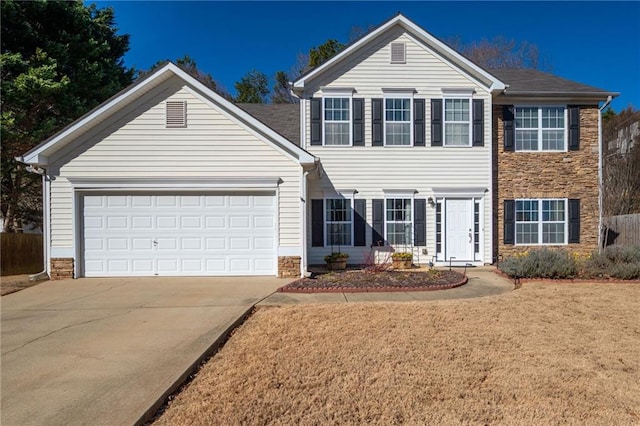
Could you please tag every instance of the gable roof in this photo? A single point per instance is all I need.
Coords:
(534, 82)
(283, 118)
(436, 45)
(41, 153)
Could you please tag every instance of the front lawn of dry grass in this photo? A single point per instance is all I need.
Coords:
(543, 354)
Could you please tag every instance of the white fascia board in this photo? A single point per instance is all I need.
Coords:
(36, 157)
(300, 83)
(303, 157)
(427, 39)
(431, 40)
(171, 184)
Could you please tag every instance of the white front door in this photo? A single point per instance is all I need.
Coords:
(459, 230)
(179, 234)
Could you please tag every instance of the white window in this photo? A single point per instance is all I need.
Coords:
(397, 121)
(457, 122)
(398, 221)
(338, 220)
(540, 128)
(337, 121)
(541, 221)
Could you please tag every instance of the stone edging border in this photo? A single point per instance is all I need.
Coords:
(283, 289)
(566, 280)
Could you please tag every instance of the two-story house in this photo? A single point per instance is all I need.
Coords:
(398, 143)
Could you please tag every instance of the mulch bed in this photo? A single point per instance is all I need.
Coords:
(362, 281)
(518, 281)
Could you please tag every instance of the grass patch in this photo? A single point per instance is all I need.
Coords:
(545, 354)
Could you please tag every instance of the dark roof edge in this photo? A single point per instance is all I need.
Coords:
(559, 94)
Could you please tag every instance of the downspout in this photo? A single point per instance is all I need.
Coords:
(46, 226)
(303, 222)
(600, 172)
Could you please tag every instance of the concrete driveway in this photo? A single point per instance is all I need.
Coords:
(103, 351)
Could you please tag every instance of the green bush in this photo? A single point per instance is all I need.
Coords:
(626, 271)
(541, 263)
(402, 256)
(615, 262)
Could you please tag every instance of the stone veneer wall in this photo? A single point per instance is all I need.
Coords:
(289, 267)
(571, 174)
(61, 268)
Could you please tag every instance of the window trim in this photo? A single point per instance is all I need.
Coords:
(540, 107)
(400, 196)
(397, 95)
(326, 222)
(541, 222)
(450, 96)
(337, 95)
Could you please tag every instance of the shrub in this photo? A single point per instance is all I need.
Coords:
(401, 256)
(626, 271)
(541, 263)
(336, 256)
(617, 262)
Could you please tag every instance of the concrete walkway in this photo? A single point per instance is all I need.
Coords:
(106, 351)
(482, 282)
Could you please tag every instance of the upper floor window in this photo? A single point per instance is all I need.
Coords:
(398, 222)
(540, 129)
(457, 122)
(337, 121)
(397, 123)
(541, 221)
(338, 221)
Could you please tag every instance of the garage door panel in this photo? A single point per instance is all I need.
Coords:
(167, 234)
(143, 266)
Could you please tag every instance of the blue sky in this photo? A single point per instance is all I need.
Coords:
(596, 43)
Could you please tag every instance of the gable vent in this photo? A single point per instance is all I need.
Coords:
(176, 114)
(398, 53)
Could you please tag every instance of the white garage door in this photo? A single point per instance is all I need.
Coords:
(179, 234)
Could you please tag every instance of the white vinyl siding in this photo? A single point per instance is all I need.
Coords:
(369, 169)
(540, 128)
(139, 145)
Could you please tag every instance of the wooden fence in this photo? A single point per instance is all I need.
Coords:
(623, 230)
(20, 254)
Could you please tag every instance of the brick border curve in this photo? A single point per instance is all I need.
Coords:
(284, 289)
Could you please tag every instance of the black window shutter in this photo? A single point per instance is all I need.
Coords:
(574, 221)
(358, 122)
(376, 122)
(359, 222)
(508, 118)
(418, 122)
(574, 128)
(317, 223)
(509, 221)
(420, 222)
(436, 122)
(377, 238)
(478, 122)
(316, 121)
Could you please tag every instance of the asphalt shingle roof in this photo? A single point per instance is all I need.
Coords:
(529, 81)
(283, 118)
